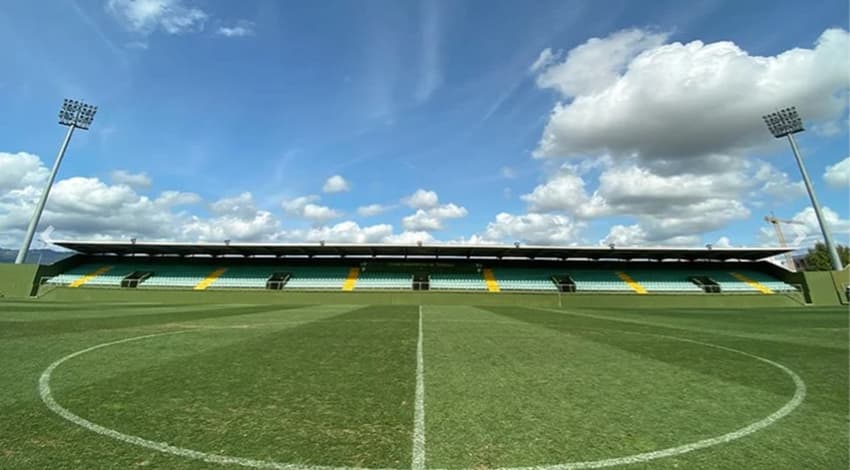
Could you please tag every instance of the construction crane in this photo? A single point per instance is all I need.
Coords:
(771, 219)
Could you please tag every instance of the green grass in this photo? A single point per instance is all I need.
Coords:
(504, 386)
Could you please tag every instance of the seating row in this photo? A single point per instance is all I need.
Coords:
(336, 277)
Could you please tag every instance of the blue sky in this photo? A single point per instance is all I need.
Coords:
(226, 119)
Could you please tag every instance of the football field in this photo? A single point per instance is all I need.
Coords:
(336, 387)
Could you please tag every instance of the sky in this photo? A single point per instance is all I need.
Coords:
(546, 122)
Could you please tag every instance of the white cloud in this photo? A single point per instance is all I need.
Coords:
(448, 211)
(535, 229)
(722, 242)
(320, 214)
(635, 235)
(372, 210)
(296, 206)
(839, 227)
(336, 184)
(625, 235)
(545, 59)
(802, 229)
(432, 219)
(777, 184)
(422, 199)
(343, 232)
(666, 207)
(305, 208)
(260, 225)
(677, 106)
(134, 180)
(20, 170)
(421, 220)
(596, 64)
(87, 208)
(563, 192)
(837, 175)
(239, 207)
(409, 238)
(238, 30)
(146, 16)
(508, 172)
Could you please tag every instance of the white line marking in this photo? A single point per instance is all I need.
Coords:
(796, 400)
(418, 461)
(419, 420)
(47, 398)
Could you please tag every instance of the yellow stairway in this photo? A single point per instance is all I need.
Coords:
(754, 284)
(635, 286)
(490, 280)
(210, 279)
(88, 277)
(351, 280)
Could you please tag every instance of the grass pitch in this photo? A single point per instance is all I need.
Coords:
(283, 387)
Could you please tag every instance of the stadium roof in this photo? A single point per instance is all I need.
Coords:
(426, 250)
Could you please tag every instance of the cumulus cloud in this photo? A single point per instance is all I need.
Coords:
(422, 199)
(635, 235)
(372, 210)
(146, 16)
(336, 184)
(240, 207)
(343, 232)
(535, 229)
(596, 64)
(667, 207)
(676, 106)
(260, 225)
(776, 184)
(88, 208)
(134, 180)
(432, 219)
(409, 238)
(803, 229)
(20, 170)
(837, 175)
(305, 207)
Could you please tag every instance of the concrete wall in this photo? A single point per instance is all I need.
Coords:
(423, 298)
(17, 280)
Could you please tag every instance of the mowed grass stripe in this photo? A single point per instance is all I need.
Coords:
(824, 368)
(813, 436)
(328, 393)
(813, 326)
(520, 394)
(23, 357)
(120, 319)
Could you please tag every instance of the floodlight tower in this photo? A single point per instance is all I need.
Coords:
(785, 123)
(75, 115)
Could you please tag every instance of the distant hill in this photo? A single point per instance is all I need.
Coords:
(42, 256)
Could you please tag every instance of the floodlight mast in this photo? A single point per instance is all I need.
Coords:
(74, 114)
(785, 123)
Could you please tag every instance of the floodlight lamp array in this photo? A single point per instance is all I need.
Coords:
(784, 122)
(76, 113)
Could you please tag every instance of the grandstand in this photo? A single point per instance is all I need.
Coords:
(490, 269)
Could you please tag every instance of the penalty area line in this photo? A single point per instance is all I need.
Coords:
(418, 460)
